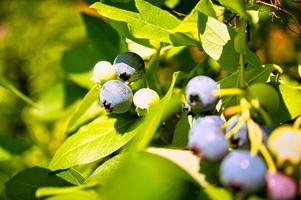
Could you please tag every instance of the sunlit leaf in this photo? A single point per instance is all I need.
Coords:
(145, 176)
(94, 141)
(77, 195)
(106, 170)
(90, 98)
(152, 120)
(213, 34)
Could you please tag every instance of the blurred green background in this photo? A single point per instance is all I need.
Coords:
(47, 50)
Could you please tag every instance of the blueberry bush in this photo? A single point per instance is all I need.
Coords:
(168, 99)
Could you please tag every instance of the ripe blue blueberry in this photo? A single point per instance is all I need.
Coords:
(242, 171)
(116, 96)
(280, 186)
(199, 93)
(240, 138)
(206, 138)
(129, 66)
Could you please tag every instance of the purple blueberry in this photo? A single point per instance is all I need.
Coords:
(207, 140)
(115, 96)
(129, 66)
(240, 138)
(199, 94)
(280, 186)
(242, 171)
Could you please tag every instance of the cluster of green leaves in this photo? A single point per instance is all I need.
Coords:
(111, 150)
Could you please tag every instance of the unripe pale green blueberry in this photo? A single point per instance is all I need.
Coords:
(145, 97)
(103, 71)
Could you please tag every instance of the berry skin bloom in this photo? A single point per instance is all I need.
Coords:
(116, 96)
(280, 186)
(145, 97)
(199, 93)
(206, 138)
(242, 171)
(103, 71)
(129, 66)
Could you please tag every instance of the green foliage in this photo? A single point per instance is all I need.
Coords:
(54, 117)
(289, 106)
(94, 141)
(7, 85)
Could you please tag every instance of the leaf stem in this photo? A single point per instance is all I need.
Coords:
(241, 71)
(268, 158)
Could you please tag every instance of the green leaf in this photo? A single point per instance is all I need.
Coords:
(151, 72)
(190, 22)
(240, 40)
(106, 170)
(77, 195)
(81, 112)
(191, 164)
(252, 76)
(155, 15)
(25, 183)
(184, 159)
(180, 137)
(171, 3)
(4, 155)
(146, 176)
(135, 22)
(157, 24)
(236, 6)
(216, 193)
(299, 70)
(12, 145)
(152, 120)
(213, 34)
(72, 176)
(266, 95)
(7, 85)
(55, 101)
(102, 43)
(252, 59)
(94, 141)
(290, 101)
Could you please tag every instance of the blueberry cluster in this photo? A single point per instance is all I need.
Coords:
(116, 96)
(239, 169)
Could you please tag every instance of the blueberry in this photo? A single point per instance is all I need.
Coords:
(206, 138)
(210, 120)
(145, 97)
(199, 94)
(242, 171)
(116, 96)
(103, 71)
(280, 186)
(284, 143)
(129, 66)
(240, 138)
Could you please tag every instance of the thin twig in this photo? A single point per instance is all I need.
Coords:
(281, 9)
